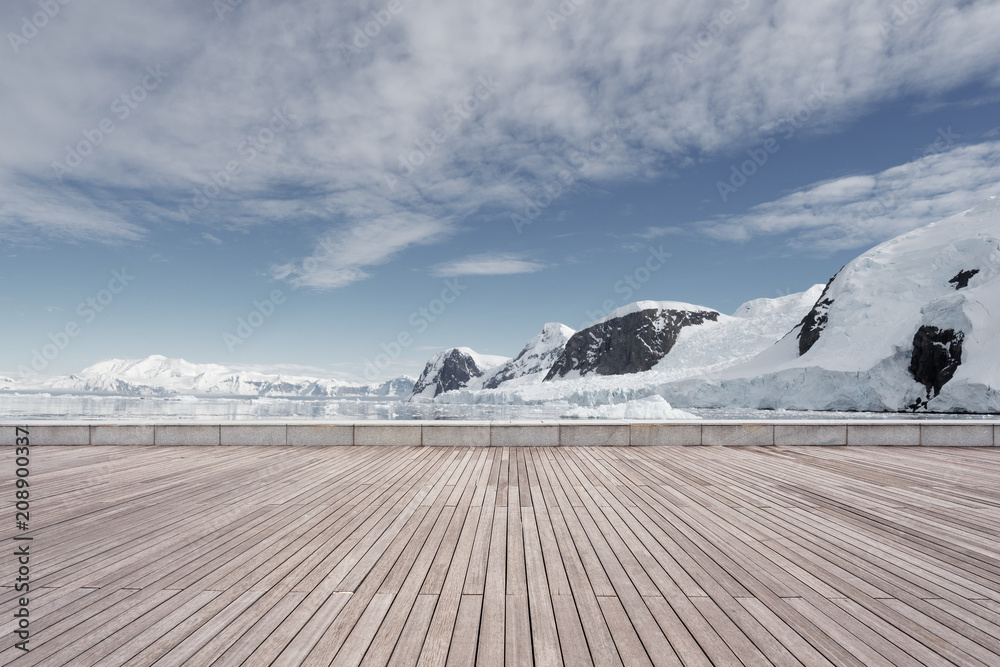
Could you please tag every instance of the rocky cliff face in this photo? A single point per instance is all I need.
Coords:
(937, 354)
(814, 322)
(453, 369)
(630, 340)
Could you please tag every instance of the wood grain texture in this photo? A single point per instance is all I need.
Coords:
(570, 556)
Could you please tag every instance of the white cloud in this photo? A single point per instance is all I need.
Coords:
(28, 208)
(857, 211)
(342, 255)
(357, 117)
(659, 232)
(487, 264)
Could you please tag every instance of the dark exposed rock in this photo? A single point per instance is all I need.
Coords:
(632, 343)
(814, 322)
(937, 354)
(961, 281)
(503, 375)
(448, 373)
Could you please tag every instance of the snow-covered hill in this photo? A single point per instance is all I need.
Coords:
(698, 349)
(631, 339)
(456, 368)
(401, 386)
(913, 324)
(537, 356)
(160, 376)
(736, 338)
(910, 325)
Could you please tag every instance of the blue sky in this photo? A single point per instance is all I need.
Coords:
(272, 162)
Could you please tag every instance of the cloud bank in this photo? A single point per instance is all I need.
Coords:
(861, 210)
(487, 264)
(380, 128)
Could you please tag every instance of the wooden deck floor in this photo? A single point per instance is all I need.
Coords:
(575, 556)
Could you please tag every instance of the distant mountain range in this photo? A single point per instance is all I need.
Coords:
(635, 344)
(160, 376)
(911, 325)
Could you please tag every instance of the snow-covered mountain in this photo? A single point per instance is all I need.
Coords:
(732, 339)
(159, 376)
(456, 368)
(910, 325)
(401, 386)
(631, 339)
(698, 349)
(537, 356)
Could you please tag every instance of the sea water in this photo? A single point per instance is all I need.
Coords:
(48, 407)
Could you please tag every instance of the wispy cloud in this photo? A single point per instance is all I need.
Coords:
(359, 113)
(488, 264)
(856, 211)
(343, 255)
(29, 208)
(659, 232)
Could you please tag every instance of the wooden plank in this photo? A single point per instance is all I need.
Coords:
(572, 638)
(465, 642)
(795, 643)
(738, 643)
(544, 635)
(577, 556)
(257, 622)
(475, 580)
(682, 641)
(406, 596)
(305, 625)
(95, 637)
(517, 632)
(168, 651)
(130, 649)
(242, 648)
(492, 624)
(407, 650)
(353, 650)
(439, 635)
(630, 648)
